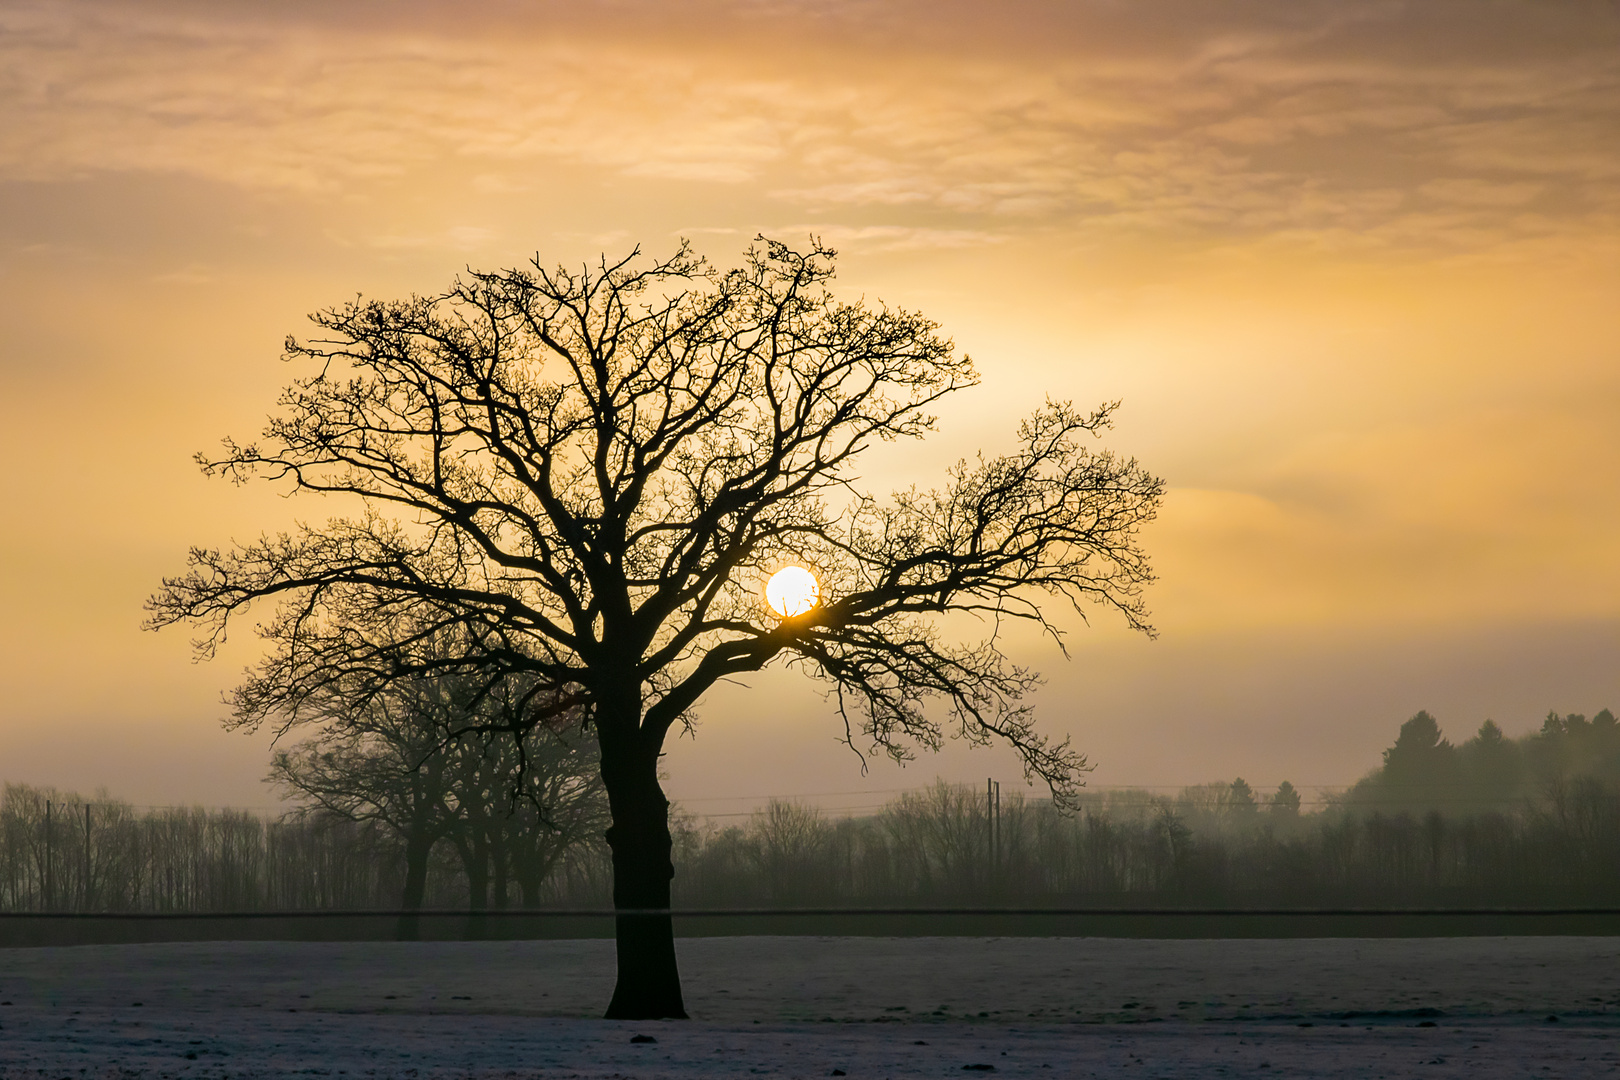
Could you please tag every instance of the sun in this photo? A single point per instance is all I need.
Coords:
(792, 590)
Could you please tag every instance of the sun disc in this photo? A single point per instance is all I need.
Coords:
(792, 590)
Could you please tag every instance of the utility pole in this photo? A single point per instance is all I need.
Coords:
(992, 821)
(85, 902)
(998, 824)
(48, 883)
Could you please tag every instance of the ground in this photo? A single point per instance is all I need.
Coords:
(808, 1007)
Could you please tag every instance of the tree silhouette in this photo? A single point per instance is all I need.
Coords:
(589, 475)
(1284, 804)
(1419, 768)
(1489, 768)
(1240, 801)
(361, 778)
(1418, 743)
(413, 760)
(441, 755)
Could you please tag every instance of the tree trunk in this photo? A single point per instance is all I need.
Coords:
(475, 859)
(649, 983)
(498, 856)
(478, 877)
(417, 847)
(530, 887)
(419, 840)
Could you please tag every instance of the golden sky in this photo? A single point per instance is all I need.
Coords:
(1352, 268)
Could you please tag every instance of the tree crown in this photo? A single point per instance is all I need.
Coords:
(589, 475)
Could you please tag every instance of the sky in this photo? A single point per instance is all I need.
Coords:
(1351, 269)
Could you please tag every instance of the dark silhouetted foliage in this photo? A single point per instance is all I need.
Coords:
(1490, 773)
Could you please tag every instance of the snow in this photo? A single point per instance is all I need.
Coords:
(802, 1006)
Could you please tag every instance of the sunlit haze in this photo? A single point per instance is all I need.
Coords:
(1350, 268)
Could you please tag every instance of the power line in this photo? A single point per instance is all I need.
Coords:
(808, 912)
(1385, 795)
(926, 787)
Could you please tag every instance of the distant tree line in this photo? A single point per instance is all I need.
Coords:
(1570, 761)
(1494, 820)
(474, 821)
(433, 792)
(62, 852)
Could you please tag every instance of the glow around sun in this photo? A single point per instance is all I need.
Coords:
(792, 590)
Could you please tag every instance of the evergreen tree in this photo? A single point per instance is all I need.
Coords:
(1285, 803)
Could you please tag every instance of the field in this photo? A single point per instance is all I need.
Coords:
(822, 1006)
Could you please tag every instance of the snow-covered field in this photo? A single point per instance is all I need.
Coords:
(801, 1006)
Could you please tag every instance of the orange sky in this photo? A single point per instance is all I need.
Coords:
(1351, 267)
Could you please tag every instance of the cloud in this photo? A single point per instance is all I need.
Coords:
(1469, 192)
(1289, 120)
(1489, 515)
(889, 237)
(459, 238)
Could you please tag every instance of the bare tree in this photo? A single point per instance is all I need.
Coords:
(559, 810)
(514, 809)
(435, 757)
(382, 762)
(590, 474)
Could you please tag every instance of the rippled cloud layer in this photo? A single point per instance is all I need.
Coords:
(1449, 124)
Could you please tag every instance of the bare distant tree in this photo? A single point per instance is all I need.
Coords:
(591, 474)
(364, 778)
(381, 760)
(435, 757)
(516, 808)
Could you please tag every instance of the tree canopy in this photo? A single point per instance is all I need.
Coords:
(1491, 773)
